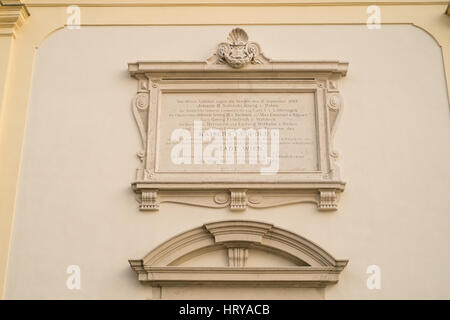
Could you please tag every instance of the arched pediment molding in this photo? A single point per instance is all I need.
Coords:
(313, 266)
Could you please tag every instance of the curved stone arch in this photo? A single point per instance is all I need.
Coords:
(313, 265)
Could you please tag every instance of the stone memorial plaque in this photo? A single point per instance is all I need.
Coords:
(293, 114)
(237, 130)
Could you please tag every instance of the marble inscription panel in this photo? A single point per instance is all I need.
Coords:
(292, 113)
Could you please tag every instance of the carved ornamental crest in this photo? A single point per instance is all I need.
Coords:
(238, 51)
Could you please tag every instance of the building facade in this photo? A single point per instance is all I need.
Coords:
(358, 211)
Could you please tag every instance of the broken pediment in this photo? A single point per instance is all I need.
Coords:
(240, 253)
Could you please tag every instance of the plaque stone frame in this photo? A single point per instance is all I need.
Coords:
(164, 266)
(237, 66)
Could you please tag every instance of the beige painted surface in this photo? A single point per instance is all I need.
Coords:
(75, 205)
(238, 293)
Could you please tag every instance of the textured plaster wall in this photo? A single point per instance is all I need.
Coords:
(75, 205)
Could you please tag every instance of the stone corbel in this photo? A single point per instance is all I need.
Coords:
(149, 200)
(327, 200)
(334, 106)
(13, 14)
(238, 200)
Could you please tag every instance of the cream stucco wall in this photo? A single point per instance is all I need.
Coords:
(75, 206)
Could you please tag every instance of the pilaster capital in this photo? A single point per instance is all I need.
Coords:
(13, 14)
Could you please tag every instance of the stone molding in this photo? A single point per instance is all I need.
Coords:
(13, 14)
(314, 267)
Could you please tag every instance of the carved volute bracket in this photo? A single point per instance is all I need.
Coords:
(149, 200)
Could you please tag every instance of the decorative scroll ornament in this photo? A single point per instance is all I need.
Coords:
(237, 51)
(140, 111)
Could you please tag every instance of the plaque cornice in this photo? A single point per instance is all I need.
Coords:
(300, 68)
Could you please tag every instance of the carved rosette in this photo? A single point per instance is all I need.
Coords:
(238, 200)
